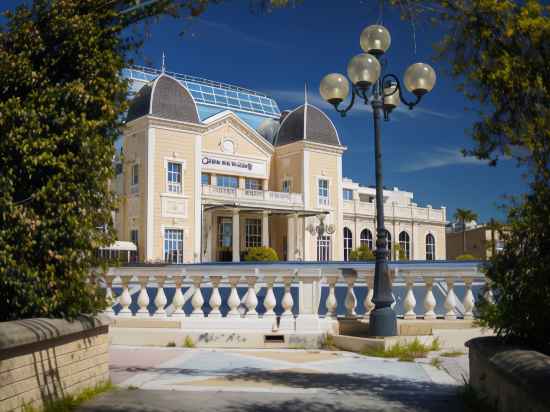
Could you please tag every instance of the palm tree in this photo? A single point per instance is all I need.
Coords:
(464, 216)
(494, 226)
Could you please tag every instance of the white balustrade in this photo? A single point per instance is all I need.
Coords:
(254, 195)
(307, 279)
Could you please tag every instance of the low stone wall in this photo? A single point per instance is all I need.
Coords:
(48, 359)
(511, 378)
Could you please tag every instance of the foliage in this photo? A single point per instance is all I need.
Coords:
(474, 401)
(452, 354)
(466, 256)
(362, 253)
(188, 342)
(261, 254)
(464, 216)
(399, 252)
(328, 343)
(519, 275)
(406, 352)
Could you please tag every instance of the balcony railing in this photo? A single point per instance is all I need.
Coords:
(395, 211)
(288, 296)
(238, 195)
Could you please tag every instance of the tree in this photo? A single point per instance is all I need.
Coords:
(464, 216)
(261, 254)
(494, 226)
(362, 253)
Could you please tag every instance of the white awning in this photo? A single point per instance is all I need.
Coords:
(121, 245)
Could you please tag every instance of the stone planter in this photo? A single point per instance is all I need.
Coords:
(48, 359)
(512, 378)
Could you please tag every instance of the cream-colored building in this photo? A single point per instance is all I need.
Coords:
(208, 170)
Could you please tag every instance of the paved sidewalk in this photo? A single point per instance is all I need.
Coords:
(177, 379)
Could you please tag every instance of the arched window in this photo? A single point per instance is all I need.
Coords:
(366, 238)
(430, 247)
(405, 244)
(388, 240)
(348, 243)
(323, 248)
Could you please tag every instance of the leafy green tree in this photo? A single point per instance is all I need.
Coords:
(495, 227)
(362, 253)
(464, 216)
(261, 254)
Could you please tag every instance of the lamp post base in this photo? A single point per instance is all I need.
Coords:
(383, 322)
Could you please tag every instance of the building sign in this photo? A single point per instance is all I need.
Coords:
(234, 165)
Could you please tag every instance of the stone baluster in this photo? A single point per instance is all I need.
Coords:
(429, 299)
(109, 297)
(287, 302)
(125, 299)
(331, 303)
(488, 292)
(368, 303)
(197, 300)
(469, 300)
(269, 301)
(178, 301)
(233, 301)
(409, 302)
(215, 299)
(143, 298)
(351, 299)
(251, 299)
(450, 300)
(160, 299)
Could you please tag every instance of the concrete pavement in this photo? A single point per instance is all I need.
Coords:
(178, 379)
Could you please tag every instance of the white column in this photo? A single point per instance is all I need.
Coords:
(409, 302)
(236, 236)
(213, 179)
(143, 298)
(265, 228)
(209, 232)
(429, 299)
(251, 300)
(215, 299)
(469, 300)
(308, 303)
(125, 299)
(450, 301)
(233, 301)
(197, 301)
(160, 299)
(331, 303)
(178, 301)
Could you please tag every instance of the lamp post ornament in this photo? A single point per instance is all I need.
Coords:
(383, 92)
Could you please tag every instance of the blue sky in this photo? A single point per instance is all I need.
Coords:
(278, 53)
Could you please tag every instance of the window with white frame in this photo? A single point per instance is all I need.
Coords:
(252, 233)
(173, 245)
(366, 238)
(173, 177)
(205, 179)
(134, 180)
(323, 192)
(227, 181)
(348, 243)
(405, 244)
(430, 247)
(134, 238)
(252, 184)
(286, 186)
(348, 194)
(323, 248)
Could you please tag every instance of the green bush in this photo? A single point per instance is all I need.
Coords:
(361, 253)
(466, 256)
(261, 254)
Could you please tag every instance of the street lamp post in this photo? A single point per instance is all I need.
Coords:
(383, 92)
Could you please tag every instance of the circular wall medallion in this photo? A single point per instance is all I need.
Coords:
(228, 146)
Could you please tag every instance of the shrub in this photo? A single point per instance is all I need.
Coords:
(188, 342)
(361, 253)
(466, 257)
(261, 254)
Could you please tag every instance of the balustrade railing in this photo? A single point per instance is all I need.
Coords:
(238, 194)
(288, 296)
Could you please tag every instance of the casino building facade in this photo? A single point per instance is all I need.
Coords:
(207, 170)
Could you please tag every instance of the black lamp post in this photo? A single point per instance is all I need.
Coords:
(384, 95)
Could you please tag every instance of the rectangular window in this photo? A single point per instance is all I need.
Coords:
(286, 186)
(252, 233)
(134, 179)
(348, 194)
(134, 238)
(227, 181)
(323, 248)
(174, 177)
(323, 192)
(253, 184)
(173, 245)
(205, 179)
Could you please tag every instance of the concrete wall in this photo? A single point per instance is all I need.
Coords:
(508, 377)
(48, 359)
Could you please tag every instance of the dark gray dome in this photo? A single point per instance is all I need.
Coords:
(165, 98)
(318, 127)
(268, 129)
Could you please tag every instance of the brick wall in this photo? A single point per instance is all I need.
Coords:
(48, 359)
